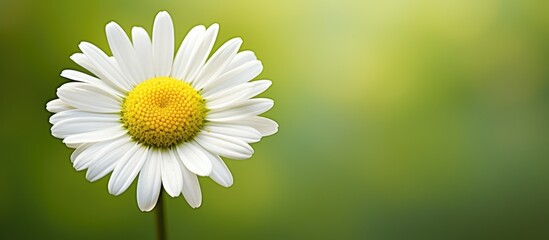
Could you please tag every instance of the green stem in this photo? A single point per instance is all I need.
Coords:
(160, 221)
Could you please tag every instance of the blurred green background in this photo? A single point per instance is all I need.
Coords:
(399, 119)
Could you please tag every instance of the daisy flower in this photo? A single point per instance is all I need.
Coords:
(161, 116)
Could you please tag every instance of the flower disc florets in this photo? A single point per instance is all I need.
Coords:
(163, 111)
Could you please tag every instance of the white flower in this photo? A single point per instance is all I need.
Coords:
(165, 119)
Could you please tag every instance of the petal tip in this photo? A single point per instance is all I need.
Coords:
(111, 24)
(163, 15)
(83, 43)
(195, 205)
(214, 26)
(226, 184)
(147, 208)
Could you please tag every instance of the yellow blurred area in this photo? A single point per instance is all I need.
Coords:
(399, 119)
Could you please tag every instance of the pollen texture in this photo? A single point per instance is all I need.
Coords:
(162, 112)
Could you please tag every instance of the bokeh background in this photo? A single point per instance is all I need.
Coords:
(399, 119)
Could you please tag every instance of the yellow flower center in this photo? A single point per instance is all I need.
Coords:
(163, 111)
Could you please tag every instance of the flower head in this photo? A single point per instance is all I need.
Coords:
(166, 120)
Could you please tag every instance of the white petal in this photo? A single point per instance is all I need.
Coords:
(181, 65)
(259, 86)
(264, 125)
(108, 157)
(250, 107)
(75, 126)
(191, 188)
(79, 150)
(96, 136)
(239, 75)
(82, 77)
(83, 61)
(240, 59)
(143, 50)
(123, 52)
(171, 173)
(149, 183)
(75, 113)
(194, 159)
(163, 44)
(103, 64)
(224, 145)
(73, 145)
(88, 98)
(217, 63)
(201, 52)
(228, 96)
(220, 172)
(84, 115)
(237, 93)
(57, 105)
(127, 169)
(85, 154)
(246, 133)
